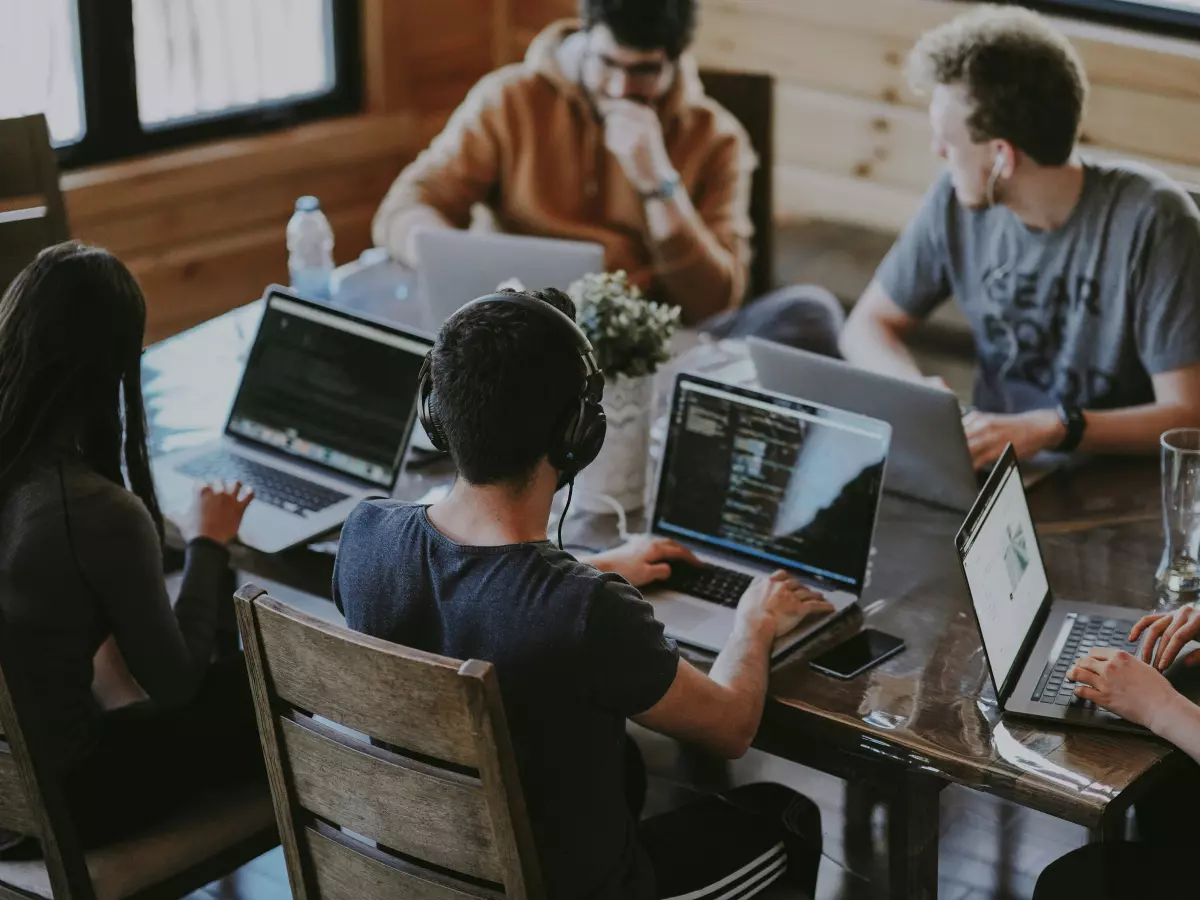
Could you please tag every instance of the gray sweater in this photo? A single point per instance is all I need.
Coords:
(80, 560)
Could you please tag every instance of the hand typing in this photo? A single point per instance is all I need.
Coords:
(1166, 635)
(1126, 686)
(779, 602)
(217, 512)
(643, 560)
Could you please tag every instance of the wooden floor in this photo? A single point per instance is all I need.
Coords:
(990, 849)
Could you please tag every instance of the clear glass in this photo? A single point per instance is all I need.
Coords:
(202, 58)
(1179, 571)
(40, 65)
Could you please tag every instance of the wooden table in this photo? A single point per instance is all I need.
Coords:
(907, 728)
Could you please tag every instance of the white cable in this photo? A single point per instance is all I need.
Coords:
(622, 522)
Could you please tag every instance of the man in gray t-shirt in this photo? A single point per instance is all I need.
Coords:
(1080, 281)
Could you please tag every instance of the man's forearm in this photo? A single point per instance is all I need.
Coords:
(874, 346)
(697, 273)
(1136, 429)
(744, 668)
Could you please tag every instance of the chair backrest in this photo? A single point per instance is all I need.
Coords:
(751, 99)
(31, 799)
(32, 215)
(413, 793)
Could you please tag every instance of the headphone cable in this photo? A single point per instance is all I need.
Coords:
(562, 518)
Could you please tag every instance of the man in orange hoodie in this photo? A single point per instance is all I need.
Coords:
(604, 134)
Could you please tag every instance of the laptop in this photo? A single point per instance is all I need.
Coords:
(929, 459)
(752, 482)
(1032, 639)
(457, 266)
(320, 421)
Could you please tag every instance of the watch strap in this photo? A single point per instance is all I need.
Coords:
(665, 190)
(1075, 422)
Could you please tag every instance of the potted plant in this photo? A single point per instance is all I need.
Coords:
(630, 337)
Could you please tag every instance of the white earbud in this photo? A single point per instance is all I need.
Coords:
(999, 166)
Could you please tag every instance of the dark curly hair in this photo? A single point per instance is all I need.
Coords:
(667, 25)
(1025, 80)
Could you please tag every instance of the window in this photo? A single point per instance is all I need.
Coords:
(117, 78)
(1179, 18)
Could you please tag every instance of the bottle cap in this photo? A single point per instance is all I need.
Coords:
(307, 203)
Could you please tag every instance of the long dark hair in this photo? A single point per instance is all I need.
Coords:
(71, 330)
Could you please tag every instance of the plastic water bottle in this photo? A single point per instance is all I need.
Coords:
(310, 249)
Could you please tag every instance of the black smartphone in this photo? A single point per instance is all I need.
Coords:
(854, 656)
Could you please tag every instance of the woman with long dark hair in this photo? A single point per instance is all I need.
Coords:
(81, 558)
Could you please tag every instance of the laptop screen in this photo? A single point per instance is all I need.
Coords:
(1004, 570)
(783, 482)
(330, 389)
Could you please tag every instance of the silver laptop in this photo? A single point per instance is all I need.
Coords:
(1032, 639)
(456, 266)
(320, 421)
(929, 459)
(753, 482)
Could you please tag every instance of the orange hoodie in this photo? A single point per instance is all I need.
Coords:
(527, 144)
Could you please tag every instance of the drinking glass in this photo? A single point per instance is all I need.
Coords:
(1179, 571)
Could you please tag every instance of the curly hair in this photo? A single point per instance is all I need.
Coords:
(1025, 81)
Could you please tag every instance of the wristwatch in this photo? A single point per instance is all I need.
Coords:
(1075, 422)
(665, 190)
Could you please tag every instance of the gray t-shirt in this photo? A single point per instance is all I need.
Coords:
(1082, 315)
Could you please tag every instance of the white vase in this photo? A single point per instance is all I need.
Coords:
(619, 471)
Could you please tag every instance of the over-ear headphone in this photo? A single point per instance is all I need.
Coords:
(576, 440)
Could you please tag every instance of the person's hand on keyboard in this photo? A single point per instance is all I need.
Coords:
(1166, 634)
(1123, 684)
(780, 602)
(643, 560)
(217, 512)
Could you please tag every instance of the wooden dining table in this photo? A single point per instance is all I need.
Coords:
(907, 728)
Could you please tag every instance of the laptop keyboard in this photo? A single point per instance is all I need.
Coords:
(271, 486)
(712, 583)
(1087, 633)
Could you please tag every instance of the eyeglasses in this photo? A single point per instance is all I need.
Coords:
(641, 72)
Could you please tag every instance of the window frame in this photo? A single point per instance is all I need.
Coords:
(1128, 14)
(112, 127)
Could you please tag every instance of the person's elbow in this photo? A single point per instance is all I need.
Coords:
(734, 735)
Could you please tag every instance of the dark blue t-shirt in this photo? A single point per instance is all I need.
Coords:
(576, 652)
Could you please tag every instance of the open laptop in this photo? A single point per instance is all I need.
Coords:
(456, 266)
(1032, 639)
(752, 482)
(929, 459)
(320, 421)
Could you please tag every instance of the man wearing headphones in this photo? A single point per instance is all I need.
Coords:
(1080, 280)
(511, 390)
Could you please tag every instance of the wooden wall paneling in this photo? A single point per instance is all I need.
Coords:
(848, 121)
(387, 77)
(191, 284)
(854, 138)
(259, 203)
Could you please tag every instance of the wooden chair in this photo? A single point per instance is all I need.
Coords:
(32, 215)
(413, 792)
(750, 97)
(194, 848)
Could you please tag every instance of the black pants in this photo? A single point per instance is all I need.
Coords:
(731, 845)
(1120, 871)
(149, 762)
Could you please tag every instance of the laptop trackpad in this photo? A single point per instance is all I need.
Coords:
(681, 614)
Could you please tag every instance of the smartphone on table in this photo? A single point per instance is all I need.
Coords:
(855, 655)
